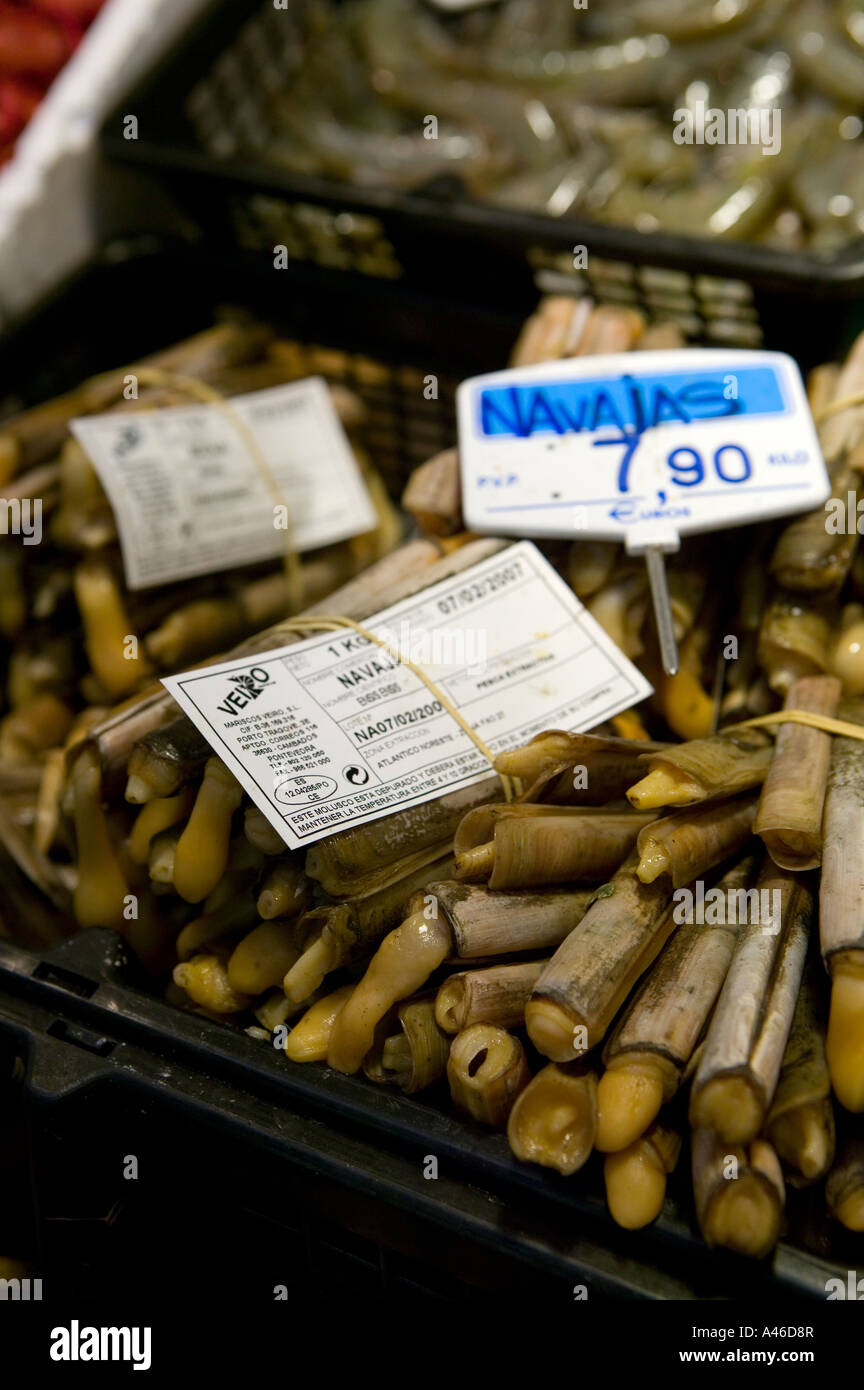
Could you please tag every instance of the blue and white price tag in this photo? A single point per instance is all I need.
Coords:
(639, 447)
(609, 447)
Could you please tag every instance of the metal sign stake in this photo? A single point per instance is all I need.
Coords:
(662, 610)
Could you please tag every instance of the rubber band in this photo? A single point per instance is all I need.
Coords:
(835, 407)
(841, 727)
(333, 624)
(158, 376)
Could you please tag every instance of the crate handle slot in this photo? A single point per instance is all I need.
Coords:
(66, 979)
(81, 1037)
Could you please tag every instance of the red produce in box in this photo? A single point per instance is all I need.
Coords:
(18, 101)
(30, 44)
(79, 12)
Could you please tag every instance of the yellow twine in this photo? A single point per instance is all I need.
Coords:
(835, 407)
(158, 376)
(842, 727)
(333, 624)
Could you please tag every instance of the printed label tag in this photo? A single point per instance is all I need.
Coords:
(689, 440)
(189, 498)
(333, 731)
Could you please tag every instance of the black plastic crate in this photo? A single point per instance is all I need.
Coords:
(402, 352)
(95, 1065)
(196, 110)
(316, 1178)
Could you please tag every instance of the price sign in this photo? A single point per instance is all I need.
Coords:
(639, 447)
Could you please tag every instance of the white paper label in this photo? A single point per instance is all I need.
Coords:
(682, 441)
(189, 498)
(333, 732)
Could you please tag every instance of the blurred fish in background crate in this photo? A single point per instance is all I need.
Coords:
(699, 162)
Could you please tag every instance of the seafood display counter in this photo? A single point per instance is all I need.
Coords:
(472, 1043)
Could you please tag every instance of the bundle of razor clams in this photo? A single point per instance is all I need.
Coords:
(638, 940)
(76, 642)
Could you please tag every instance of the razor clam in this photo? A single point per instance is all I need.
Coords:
(635, 1177)
(360, 859)
(497, 994)
(556, 329)
(677, 844)
(844, 1190)
(800, 1123)
(433, 495)
(847, 656)
(794, 639)
(487, 1068)
(534, 846)
(594, 969)
(808, 558)
(588, 769)
(648, 1054)
(448, 919)
(841, 922)
(738, 1208)
(554, 1118)
(704, 769)
(789, 818)
(740, 1064)
(410, 1050)
(343, 933)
